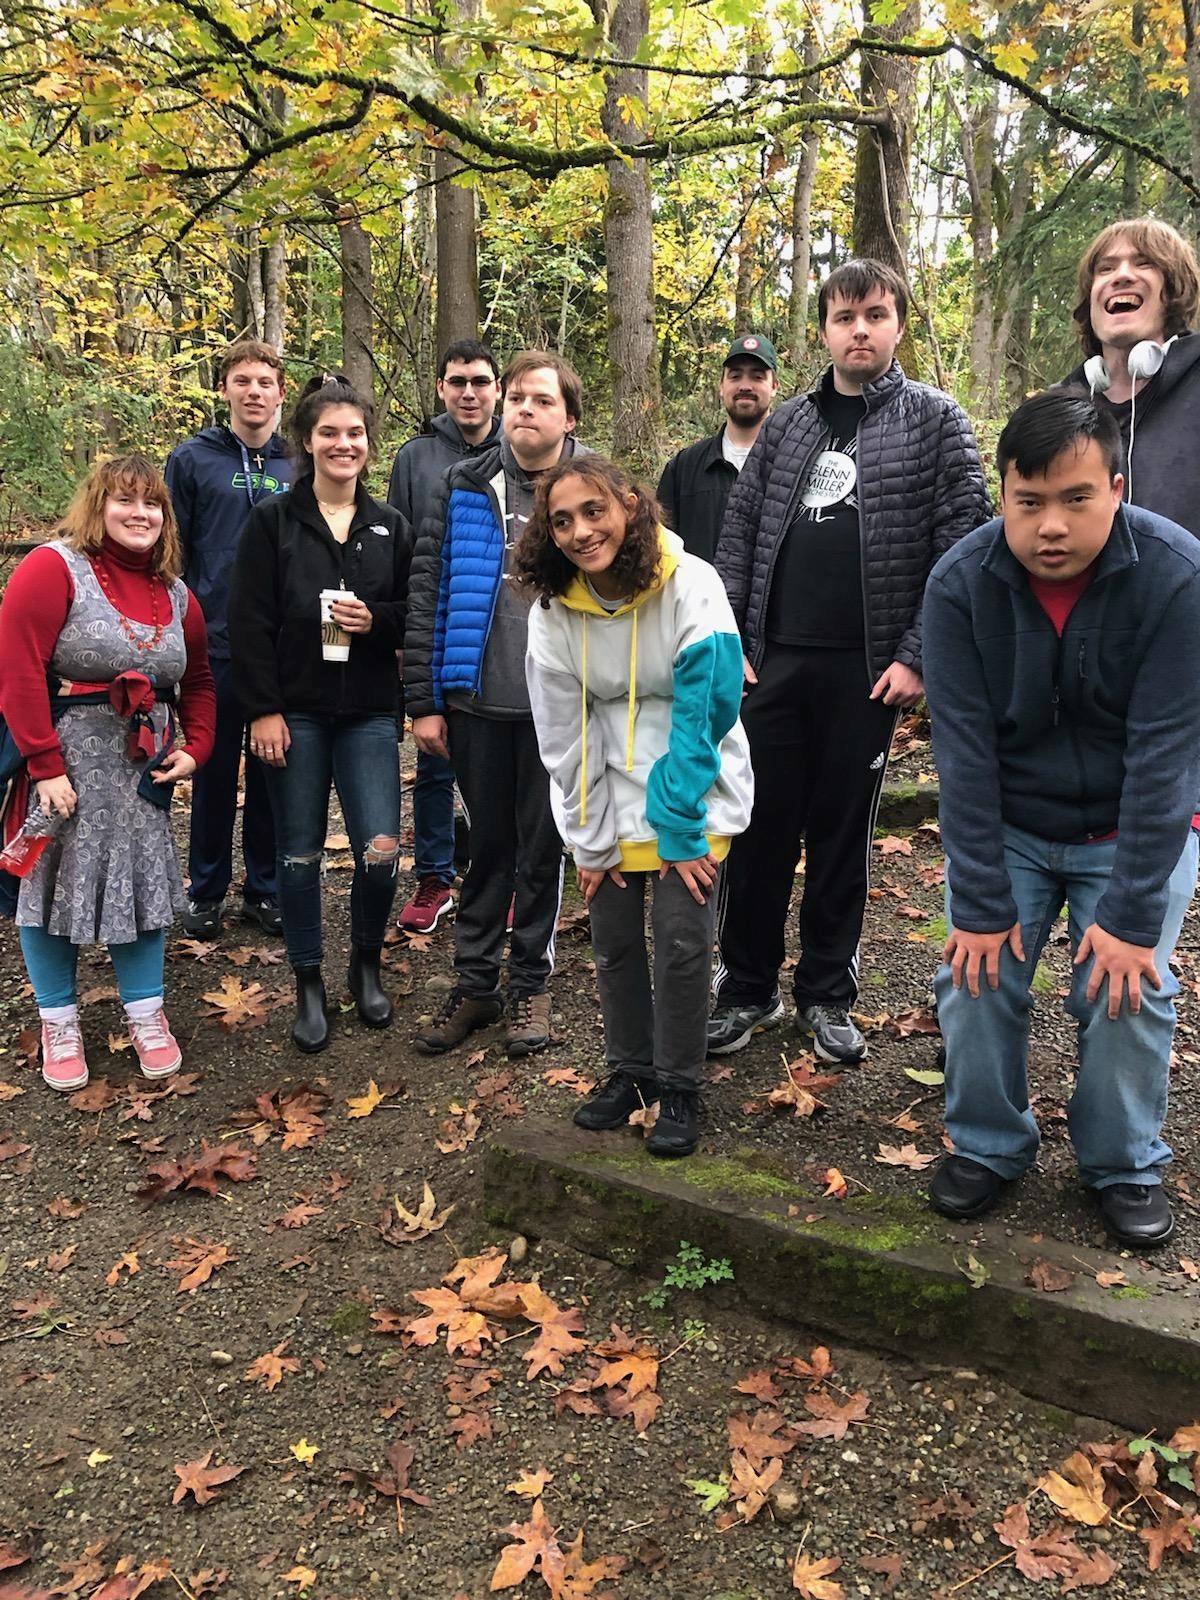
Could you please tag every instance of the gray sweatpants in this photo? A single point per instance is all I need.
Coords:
(655, 1032)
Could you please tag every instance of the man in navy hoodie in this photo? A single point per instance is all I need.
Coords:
(468, 385)
(216, 478)
(1062, 650)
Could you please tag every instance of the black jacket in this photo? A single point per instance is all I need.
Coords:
(423, 462)
(1166, 435)
(206, 475)
(286, 557)
(920, 488)
(1067, 738)
(693, 492)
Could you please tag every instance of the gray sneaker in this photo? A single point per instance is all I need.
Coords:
(834, 1036)
(731, 1027)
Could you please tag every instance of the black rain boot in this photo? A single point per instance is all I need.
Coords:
(374, 1007)
(310, 1031)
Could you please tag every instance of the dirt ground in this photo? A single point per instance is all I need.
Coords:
(117, 1376)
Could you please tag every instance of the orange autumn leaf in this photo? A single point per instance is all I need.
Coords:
(530, 1484)
(270, 1368)
(1078, 1491)
(201, 1481)
(812, 1578)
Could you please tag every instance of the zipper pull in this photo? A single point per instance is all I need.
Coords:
(1054, 705)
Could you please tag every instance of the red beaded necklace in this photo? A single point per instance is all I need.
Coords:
(158, 627)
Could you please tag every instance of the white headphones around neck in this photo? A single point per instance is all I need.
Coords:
(1144, 360)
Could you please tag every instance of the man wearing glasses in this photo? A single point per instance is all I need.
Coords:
(468, 386)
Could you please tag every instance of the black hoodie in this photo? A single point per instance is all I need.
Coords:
(286, 557)
(1166, 436)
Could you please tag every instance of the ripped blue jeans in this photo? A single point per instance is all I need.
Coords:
(361, 757)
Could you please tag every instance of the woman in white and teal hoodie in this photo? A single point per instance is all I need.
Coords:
(635, 679)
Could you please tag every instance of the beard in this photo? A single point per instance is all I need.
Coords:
(747, 412)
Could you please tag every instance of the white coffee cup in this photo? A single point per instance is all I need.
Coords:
(335, 641)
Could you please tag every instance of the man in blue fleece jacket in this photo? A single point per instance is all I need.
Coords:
(1062, 650)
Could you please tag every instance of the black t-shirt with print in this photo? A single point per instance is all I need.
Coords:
(816, 590)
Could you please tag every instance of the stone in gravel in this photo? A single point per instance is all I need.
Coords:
(220, 1358)
(518, 1250)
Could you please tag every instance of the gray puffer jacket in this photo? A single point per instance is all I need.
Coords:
(920, 488)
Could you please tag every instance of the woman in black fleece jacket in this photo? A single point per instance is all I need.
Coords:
(314, 721)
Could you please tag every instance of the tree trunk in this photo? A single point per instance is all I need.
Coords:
(457, 261)
(978, 113)
(274, 274)
(1191, 34)
(802, 194)
(1130, 184)
(629, 250)
(881, 180)
(358, 325)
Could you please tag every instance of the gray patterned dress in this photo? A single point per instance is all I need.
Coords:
(111, 872)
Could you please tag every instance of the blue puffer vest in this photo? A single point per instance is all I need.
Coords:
(472, 567)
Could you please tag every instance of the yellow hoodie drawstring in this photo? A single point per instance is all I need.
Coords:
(632, 693)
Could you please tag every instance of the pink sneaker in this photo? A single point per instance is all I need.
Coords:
(63, 1065)
(430, 902)
(157, 1051)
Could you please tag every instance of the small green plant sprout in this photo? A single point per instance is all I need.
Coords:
(711, 1495)
(1178, 1472)
(691, 1269)
(693, 1329)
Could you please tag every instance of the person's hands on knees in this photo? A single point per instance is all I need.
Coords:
(1123, 964)
(969, 954)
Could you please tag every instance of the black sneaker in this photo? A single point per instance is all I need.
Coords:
(612, 1104)
(265, 912)
(202, 919)
(677, 1131)
(834, 1036)
(963, 1188)
(1138, 1215)
(731, 1027)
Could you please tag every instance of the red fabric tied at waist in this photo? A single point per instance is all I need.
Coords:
(132, 696)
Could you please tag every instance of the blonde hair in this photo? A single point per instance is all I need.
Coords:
(1170, 252)
(82, 526)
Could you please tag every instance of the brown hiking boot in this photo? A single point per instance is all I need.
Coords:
(461, 1015)
(528, 1024)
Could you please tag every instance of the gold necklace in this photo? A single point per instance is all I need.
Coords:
(335, 505)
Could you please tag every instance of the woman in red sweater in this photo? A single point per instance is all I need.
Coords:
(99, 639)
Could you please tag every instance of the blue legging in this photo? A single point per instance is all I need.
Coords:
(50, 961)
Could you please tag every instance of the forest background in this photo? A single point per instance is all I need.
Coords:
(631, 182)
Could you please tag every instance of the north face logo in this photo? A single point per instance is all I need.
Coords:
(878, 761)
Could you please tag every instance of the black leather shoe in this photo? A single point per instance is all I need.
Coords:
(612, 1105)
(374, 1007)
(310, 1031)
(1138, 1215)
(964, 1188)
(677, 1131)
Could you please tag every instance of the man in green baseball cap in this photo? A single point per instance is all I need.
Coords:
(696, 483)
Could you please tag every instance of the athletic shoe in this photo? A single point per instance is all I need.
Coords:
(677, 1131)
(613, 1103)
(158, 1053)
(731, 1027)
(528, 1024)
(462, 1015)
(834, 1036)
(1137, 1215)
(202, 919)
(430, 902)
(265, 912)
(63, 1065)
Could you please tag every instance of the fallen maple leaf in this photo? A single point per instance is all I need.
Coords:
(568, 1078)
(580, 1577)
(760, 1384)
(530, 1484)
(888, 1566)
(64, 1207)
(1078, 1491)
(1053, 1554)
(798, 1089)
(812, 1579)
(1173, 1533)
(10, 1091)
(198, 1260)
(296, 1117)
(60, 1260)
(238, 1005)
(756, 1436)
(199, 1172)
(363, 1105)
(305, 1452)
(891, 845)
(817, 1368)
(99, 1095)
(907, 1155)
(750, 1485)
(128, 1263)
(302, 1577)
(557, 1332)
(1048, 1277)
(201, 1481)
(836, 1187)
(297, 1216)
(270, 1368)
(460, 1129)
(536, 1547)
(833, 1419)
(421, 1223)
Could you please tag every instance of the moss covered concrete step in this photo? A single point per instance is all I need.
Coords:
(876, 1270)
(907, 805)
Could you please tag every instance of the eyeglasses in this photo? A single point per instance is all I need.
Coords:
(459, 384)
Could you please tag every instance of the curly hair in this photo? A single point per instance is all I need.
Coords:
(82, 526)
(1170, 252)
(541, 566)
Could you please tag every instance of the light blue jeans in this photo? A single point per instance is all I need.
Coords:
(1116, 1113)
